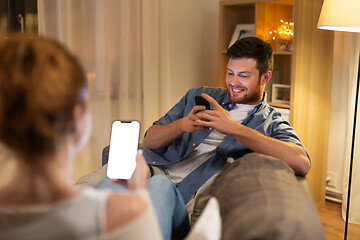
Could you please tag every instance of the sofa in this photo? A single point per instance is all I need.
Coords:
(259, 197)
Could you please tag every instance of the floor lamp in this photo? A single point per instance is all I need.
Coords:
(344, 16)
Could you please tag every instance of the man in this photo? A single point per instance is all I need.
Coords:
(190, 144)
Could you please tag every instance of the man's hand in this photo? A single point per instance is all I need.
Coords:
(160, 136)
(190, 123)
(217, 118)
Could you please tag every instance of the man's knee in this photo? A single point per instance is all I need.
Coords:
(160, 181)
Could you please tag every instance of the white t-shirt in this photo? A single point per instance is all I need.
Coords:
(178, 171)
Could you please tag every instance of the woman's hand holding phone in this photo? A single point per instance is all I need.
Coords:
(139, 178)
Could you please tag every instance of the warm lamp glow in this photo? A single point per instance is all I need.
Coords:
(340, 15)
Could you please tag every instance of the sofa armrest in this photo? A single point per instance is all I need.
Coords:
(105, 155)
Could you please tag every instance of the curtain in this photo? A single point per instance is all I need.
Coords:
(7, 164)
(350, 56)
(117, 44)
(140, 56)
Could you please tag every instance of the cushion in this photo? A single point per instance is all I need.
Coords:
(260, 198)
(92, 179)
(208, 225)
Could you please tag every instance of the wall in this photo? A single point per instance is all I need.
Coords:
(188, 47)
(343, 83)
(337, 134)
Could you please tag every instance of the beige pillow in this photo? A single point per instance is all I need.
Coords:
(208, 225)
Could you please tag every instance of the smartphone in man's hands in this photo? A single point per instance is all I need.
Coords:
(199, 100)
(124, 141)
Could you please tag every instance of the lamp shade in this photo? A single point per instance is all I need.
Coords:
(340, 15)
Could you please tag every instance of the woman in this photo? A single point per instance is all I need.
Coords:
(44, 121)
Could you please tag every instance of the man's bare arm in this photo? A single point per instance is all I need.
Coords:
(160, 136)
(288, 152)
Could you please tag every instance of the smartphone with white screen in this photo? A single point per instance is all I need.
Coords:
(124, 141)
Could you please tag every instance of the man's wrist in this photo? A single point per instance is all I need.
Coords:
(236, 130)
(177, 125)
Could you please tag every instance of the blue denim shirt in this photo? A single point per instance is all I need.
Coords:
(263, 118)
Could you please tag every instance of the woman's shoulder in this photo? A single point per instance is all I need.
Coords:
(128, 213)
(123, 208)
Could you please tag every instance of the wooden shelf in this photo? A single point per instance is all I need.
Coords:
(279, 105)
(288, 53)
(283, 53)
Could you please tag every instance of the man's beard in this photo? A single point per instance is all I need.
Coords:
(247, 97)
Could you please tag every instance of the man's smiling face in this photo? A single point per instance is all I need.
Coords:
(243, 82)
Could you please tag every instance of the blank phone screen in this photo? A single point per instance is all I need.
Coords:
(124, 142)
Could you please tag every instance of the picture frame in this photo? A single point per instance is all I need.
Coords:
(242, 30)
(280, 93)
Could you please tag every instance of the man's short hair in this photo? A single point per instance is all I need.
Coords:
(253, 47)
